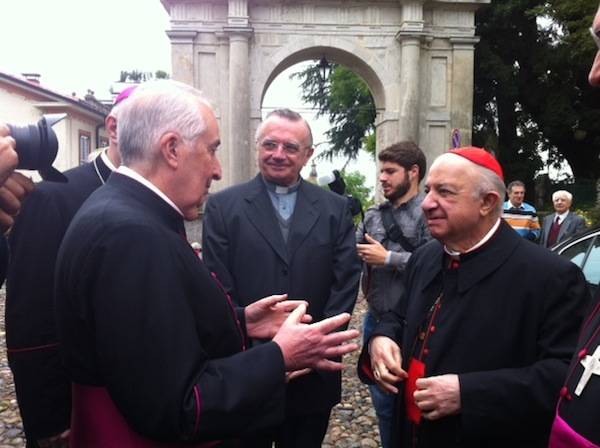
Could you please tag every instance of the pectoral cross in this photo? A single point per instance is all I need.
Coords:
(591, 365)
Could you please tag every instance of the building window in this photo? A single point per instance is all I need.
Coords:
(84, 146)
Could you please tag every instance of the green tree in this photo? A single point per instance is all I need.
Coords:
(355, 186)
(532, 95)
(346, 100)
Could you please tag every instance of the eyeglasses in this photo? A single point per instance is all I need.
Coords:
(595, 37)
(272, 145)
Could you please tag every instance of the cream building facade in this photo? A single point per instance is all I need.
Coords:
(23, 101)
(415, 55)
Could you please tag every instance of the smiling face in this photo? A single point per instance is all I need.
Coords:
(454, 212)
(516, 195)
(283, 149)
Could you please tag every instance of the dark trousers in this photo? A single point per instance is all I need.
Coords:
(302, 431)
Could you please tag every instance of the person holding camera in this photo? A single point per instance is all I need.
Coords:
(279, 233)
(14, 187)
(42, 385)
(386, 239)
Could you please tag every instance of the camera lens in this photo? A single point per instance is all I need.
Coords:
(37, 147)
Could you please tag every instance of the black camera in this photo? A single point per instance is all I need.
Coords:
(37, 146)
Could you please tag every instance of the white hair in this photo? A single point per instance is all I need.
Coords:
(154, 108)
(490, 182)
(562, 193)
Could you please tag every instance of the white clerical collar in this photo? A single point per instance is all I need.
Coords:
(485, 239)
(107, 160)
(126, 171)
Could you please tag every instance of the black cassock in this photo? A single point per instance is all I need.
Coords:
(506, 323)
(42, 385)
(142, 318)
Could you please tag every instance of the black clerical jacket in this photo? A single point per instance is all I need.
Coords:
(507, 325)
(42, 385)
(243, 244)
(142, 318)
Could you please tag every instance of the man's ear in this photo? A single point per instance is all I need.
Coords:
(110, 123)
(170, 148)
(309, 153)
(413, 172)
(489, 203)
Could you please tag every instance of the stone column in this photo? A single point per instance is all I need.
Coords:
(239, 33)
(409, 36)
(463, 61)
(239, 107)
(182, 55)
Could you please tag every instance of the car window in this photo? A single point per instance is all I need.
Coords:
(591, 268)
(576, 252)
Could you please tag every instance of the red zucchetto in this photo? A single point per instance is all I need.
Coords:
(481, 157)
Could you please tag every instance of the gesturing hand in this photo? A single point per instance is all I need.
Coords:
(265, 316)
(314, 345)
(372, 253)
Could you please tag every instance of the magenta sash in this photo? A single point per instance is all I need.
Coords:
(96, 423)
(563, 436)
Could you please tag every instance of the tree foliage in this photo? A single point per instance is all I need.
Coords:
(138, 76)
(346, 100)
(531, 90)
(355, 186)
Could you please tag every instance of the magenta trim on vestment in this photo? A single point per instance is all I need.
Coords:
(96, 422)
(198, 408)
(563, 436)
(232, 306)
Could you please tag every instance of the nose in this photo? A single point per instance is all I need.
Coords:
(217, 171)
(279, 152)
(428, 202)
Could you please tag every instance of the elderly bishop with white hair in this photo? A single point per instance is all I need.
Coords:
(478, 347)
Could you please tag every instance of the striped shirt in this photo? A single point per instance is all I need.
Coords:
(523, 219)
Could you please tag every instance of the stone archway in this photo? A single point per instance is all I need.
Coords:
(415, 55)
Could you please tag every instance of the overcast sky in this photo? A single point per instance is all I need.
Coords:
(76, 45)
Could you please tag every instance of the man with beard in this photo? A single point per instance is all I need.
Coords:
(386, 239)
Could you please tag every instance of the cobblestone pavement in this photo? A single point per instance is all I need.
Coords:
(352, 425)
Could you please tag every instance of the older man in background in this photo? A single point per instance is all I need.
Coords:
(563, 223)
(520, 215)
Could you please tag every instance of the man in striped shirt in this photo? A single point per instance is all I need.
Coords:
(520, 215)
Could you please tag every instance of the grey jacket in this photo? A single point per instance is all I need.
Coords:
(383, 285)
